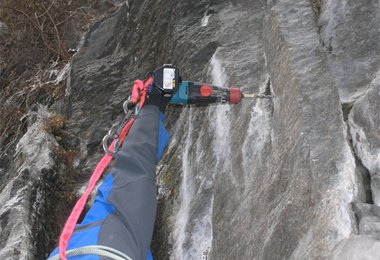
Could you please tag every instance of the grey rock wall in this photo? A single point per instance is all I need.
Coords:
(357, 247)
(364, 121)
(20, 195)
(311, 168)
(293, 177)
(350, 33)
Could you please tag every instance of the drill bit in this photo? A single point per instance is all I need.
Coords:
(250, 95)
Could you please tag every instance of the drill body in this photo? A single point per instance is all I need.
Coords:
(168, 81)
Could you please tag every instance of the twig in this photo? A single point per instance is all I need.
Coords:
(16, 136)
(24, 14)
(56, 32)
(61, 49)
(47, 10)
(5, 129)
(66, 19)
(39, 27)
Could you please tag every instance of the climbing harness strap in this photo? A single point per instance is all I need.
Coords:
(139, 91)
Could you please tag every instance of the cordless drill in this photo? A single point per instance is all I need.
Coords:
(168, 81)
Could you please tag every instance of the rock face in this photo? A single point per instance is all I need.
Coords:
(357, 247)
(22, 196)
(364, 121)
(350, 34)
(298, 204)
(280, 178)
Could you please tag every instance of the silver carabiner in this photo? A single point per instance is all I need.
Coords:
(105, 144)
(127, 105)
(114, 133)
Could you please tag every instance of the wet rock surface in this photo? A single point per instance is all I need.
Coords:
(264, 179)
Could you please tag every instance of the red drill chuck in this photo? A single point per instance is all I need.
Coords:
(235, 95)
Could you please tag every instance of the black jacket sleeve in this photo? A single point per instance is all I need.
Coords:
(133, 195)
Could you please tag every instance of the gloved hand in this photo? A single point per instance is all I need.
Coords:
(155, 97)
(146, 93)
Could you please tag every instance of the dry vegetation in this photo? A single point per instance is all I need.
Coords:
(35, 35)
(36, 38)
(55, 123)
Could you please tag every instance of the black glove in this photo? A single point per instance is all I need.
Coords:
(155, 97)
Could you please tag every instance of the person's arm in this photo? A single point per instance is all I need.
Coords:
(133, 195)
(124, 210)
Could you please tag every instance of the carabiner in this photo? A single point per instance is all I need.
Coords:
(128, 105)
(105, 144)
